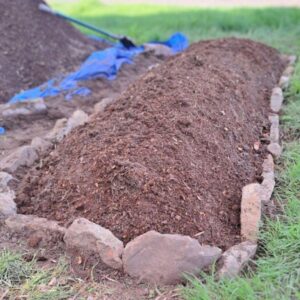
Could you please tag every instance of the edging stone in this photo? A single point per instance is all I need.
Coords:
(89, 237)
(24, 156)
(268, 183)
(235, 258)
(251, 212)
(35, 228)
(276, 99)
(165, 258)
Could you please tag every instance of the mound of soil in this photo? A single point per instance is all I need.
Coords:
(172, 154)
(35, 46)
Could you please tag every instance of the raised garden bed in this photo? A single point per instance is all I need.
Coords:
(175, 154)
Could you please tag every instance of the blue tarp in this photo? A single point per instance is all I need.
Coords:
(2, 130)
(105, 63)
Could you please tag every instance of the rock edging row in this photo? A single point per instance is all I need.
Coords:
(152, 257)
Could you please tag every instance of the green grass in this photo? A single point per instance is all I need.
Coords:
(279, 27)
(277, 271)
(22, 279)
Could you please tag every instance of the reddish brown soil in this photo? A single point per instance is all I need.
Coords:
(35, 46)
(172, 154)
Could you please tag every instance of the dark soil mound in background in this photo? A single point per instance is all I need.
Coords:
(34, 46)
(172, 154)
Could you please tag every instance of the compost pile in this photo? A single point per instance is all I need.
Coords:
(35, 46)
(172, 154)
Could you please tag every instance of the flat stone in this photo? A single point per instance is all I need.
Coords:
(275, 149)
(101, 106)
(288, 71)
(28, 225)
(292, 59)
(251, 211)
(78, 118)
(58, 131)
(284, 82)
(276, 99)
(267, 188)
(268, 164)
(40, 145)
(24, 156)
(165, 258)
(5, 178)
(7, 204)
(30, 107)
(235, 258)
(158, 49)
(268, 184)
(89, 237)
(274, 131)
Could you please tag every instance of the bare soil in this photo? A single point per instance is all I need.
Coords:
(36, 46)
(172, 154)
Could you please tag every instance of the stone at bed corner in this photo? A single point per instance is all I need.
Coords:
(235, 258)
(28, 225)
(24, 156)
(165, 258)
(89, 237)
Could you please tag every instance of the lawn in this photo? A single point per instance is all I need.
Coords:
(277, 270)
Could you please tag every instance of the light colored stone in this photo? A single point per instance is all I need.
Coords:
(251, 211)
(267, 188)
(24, 156)
(27, 224)
(284, 82)
(41, 145)
(276, 99)
(275, 149)
(5, 178)
(78, 118)
(30, 107)
(90, 237)
(288, 71)
(274, 131)
(158, 49)
(58, 131)
(100, 106)
(165, 258)
(7, 204)
(268, 184)
(292, 59)
(7, 196)
(268, 164)
(235, 258)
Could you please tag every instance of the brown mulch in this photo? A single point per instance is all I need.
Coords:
(172, 154)
(36, 46)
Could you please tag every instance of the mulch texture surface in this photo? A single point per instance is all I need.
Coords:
(172, 154)
(36, 46)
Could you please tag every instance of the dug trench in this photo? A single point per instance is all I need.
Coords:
(171, 154)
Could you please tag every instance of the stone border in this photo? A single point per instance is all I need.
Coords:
(151, 257)
(256, 195)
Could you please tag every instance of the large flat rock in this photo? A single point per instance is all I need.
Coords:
(165, 258)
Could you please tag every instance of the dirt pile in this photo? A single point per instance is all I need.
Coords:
(35, 46)
(172, 154)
